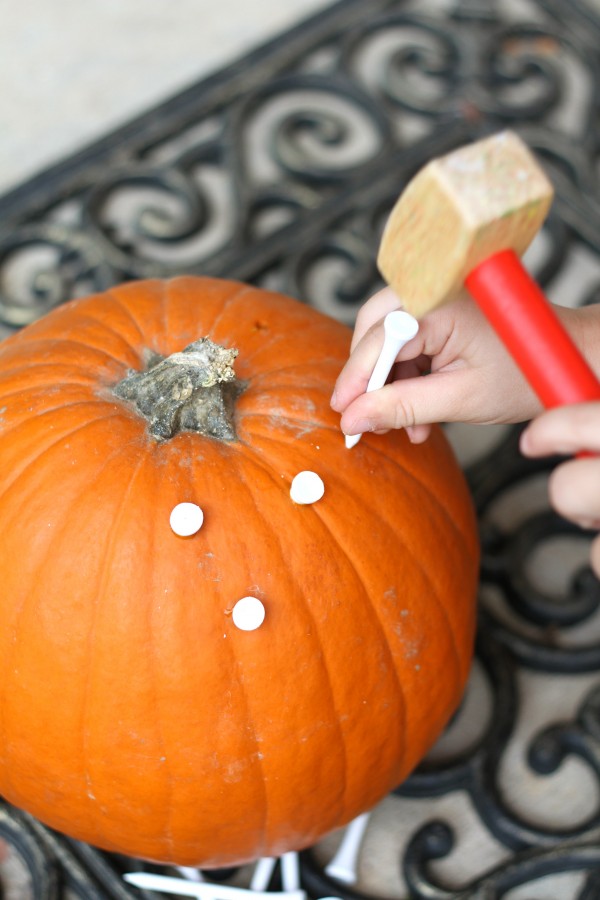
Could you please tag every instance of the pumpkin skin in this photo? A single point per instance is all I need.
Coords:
(134, 715)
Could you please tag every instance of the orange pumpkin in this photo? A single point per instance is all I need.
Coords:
(134, 713)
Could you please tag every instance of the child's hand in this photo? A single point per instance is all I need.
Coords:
(574, 486)
(472, 376)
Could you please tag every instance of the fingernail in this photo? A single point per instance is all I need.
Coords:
(360, 426)
(334, 399)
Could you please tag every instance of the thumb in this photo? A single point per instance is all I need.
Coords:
(437, 397)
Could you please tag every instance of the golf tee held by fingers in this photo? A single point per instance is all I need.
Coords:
(399, 328)
(464, 220)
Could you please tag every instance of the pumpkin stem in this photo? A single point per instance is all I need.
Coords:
(193, 390)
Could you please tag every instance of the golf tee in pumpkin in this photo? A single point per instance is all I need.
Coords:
(458, 211)
(399, 328)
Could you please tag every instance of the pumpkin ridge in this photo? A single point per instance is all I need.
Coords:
(232, 664)
(34, 389)
(171, 297)
(381, 629)
(167, 833)
(280, 400)
(372, 448)
(33, 460)
(255, 460)
(274, 344)
(425, 573)
(291, 423)
(238, 290)
(109, 330)
(54, 368)
(126, 299)
(468, 551)
(312, 426)
(25, 363)
(125, 499)
(300, 368)
(19, 613)
(282, 342)
(165, 309)
(124, 308)
(89, 642)
(434, 592)
(376, 616)
(258, 756)
(55, 343)
(463, 541)
(320, 321)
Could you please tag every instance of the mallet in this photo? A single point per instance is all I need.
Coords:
(465, 219)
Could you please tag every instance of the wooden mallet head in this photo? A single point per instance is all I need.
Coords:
(457, 212)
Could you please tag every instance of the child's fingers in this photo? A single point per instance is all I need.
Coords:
(574, 490)
(564, 430)
(355, 375)
(574, 486)
(412, 402)
(418, 434)
(373, 312)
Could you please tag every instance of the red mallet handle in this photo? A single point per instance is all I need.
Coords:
(526, 323)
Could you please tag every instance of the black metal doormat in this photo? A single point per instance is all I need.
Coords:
(280, 170)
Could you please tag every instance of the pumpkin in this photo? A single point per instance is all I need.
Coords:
(134, 713)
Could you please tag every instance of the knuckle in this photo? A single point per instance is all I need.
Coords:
(403, 414)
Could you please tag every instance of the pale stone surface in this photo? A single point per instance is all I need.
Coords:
(73, 71)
